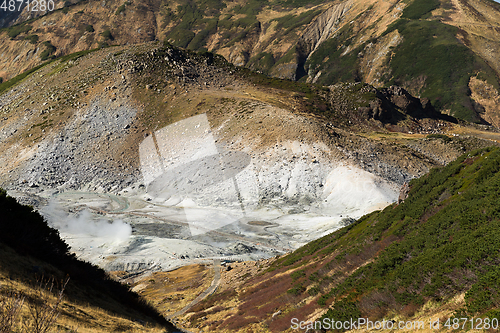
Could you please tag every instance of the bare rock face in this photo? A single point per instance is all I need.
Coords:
(387, 105)
(395, 101)
(403, 192)
(317, 33)
(322, 29)
(408, 104)
(286, 71)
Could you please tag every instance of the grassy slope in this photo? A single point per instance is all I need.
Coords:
(442, 241)
(30, 248)
(430, 49)
(4, 86)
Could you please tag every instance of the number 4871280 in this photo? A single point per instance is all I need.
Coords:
(33, 6)
(472, 323)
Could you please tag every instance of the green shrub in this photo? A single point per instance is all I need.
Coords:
(314, 276)
(48, 52)
(120, 10)
(33, 39)
(296, 290)
(343, 310)
(107, 34)
(15, 30)
(443, 137)
(297, 274)
(89, 28)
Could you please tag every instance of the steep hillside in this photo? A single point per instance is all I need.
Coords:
(149, 157)
(441, 50)
(263, 166)
(432, 255)
(252, 33)
(33, 255)
(434, 49)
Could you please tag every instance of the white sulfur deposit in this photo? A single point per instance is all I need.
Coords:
(203, 199)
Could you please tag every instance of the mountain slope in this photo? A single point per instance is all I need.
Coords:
(434, 251)
(113, 98)
(421, 50)
(445, 51)
(32, 253)
(77, 128)
(79, 133)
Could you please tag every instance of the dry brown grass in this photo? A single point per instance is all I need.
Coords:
(21, 293)
(171, 291)
(42, 310)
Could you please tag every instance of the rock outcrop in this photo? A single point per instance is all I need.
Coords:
(322, 29)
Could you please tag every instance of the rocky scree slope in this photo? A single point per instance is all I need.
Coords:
(77, 124)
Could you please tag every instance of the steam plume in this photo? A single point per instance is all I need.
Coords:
(85, 224)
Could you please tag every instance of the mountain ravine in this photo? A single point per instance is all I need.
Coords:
(149, 157)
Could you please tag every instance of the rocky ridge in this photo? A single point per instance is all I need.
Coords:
(282, 164)
(63, 127)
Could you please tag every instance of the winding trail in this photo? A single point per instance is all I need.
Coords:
(210, 290)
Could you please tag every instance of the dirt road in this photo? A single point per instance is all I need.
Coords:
(210, 290)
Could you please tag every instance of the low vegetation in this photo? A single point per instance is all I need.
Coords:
(42, 312)
(420, 9)
(330, 59)
(7, 84)
(107, 35)
(443, 137)
(440, 242)
(430, 49)
(15, 80)
(33, 39)
(48, 52)
(16, 30)
(193, 22)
